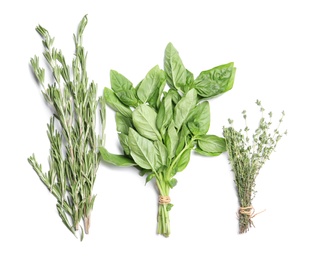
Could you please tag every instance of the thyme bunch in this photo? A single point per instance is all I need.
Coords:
(74, 157)
(247, 158)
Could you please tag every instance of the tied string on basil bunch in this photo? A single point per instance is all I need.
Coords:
(246, 157)
(247, 214)
(158, 126)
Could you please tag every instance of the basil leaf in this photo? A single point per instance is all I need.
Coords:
(184, 160)
(215, 81)
(128, 98)
(174, 68)
(164, 115)
(138, 86)
(183, 138)
(144, 171)
(172, 140)
(113, 102)
(173, 182)
(122, 123)
(119, 82)
(154, 79)
(144, 120)
(189, 79)
(212, 144)
(142, 150)
(149, 177)
(154, 101)
(123, 139)
(175, 96)
(199, 119)
(183, 107)
(162, 154)
(118, 160)
(169, 206)
(201, 152)
(123, 89)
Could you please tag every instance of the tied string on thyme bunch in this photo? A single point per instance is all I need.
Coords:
(248, 212)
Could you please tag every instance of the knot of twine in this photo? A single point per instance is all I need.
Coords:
(164, 200)
(249, 211)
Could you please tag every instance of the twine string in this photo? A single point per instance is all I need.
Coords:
(249, 211)
(164, 200)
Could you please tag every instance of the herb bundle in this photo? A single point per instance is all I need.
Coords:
(247, 158)
(74, 156)
(158, 127)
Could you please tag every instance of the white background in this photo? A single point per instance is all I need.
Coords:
(269, 43)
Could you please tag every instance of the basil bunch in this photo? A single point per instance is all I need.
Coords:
(159, 127)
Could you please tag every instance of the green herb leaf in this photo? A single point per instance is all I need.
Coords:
(215, 81)
(113, 101)
(183, 108)
(119, 82)
(169, 206)
(123, 138)
(144, 171)
(142, 150)
(154, 101)
(149, 177)
(153, 81)
(173, 182)
(212, 144)
(123, 89)
(175, 71)
(164, 115)
(183, 138)
(184, 160)
(199, 119)
(189, 79)
(201, 152)
(118, 160)
(122, 123)
(144, 120)
(172, 140)
(175, 96)
(162, 154)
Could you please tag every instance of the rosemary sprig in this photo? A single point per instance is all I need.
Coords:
(74, 157)
(247, 158)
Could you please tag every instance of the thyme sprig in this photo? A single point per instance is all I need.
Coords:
(247, 158)
(74, 157)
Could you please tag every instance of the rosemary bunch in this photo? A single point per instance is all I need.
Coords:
(74, 157)
(247, 158)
